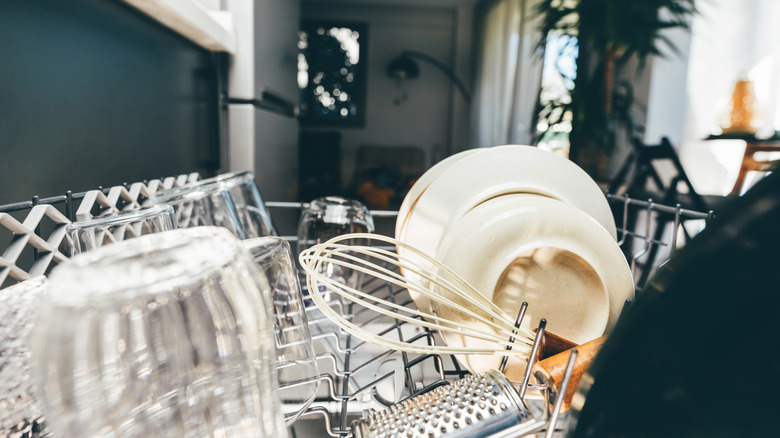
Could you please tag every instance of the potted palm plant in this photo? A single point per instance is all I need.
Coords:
(608, 33)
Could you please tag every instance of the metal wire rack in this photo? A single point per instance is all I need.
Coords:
(35, 229)
(358, 377)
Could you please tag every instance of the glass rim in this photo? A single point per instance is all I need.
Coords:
(337, 210)
(337, 201)
(222, 182)
(129, 266)
(274, 246)
(125, 216)
(24, 286)
(224, 177)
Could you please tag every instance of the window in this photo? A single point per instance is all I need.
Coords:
(332, 73)
(558, 75)
(729, 41)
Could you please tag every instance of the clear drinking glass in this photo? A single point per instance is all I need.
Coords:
(296, 362)
(328, 217)
(163, 335)
(21, 413)
(87, 235)
(323, 219)
(251, 208)
(230, 201)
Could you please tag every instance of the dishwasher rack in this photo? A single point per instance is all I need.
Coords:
(362, 378)
(356, 377)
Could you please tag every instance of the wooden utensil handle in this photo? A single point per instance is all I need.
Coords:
(550, 371)
(553, 344)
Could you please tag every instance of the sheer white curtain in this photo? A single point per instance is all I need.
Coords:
(730, 39)
(508, 74)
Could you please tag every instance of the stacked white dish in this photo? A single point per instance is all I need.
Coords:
(521, 224)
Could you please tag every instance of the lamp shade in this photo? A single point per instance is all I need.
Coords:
(403, 67)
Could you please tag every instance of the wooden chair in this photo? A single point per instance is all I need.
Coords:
(643, 160)
(751, 164)
(384, 173)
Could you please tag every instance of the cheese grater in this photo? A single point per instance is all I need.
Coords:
(476, 406)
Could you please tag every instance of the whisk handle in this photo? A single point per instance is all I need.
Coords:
(553, 344)
(550, 371)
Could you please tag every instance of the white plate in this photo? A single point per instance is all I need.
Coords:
(499, 171)
(564, 264)
(422, 183)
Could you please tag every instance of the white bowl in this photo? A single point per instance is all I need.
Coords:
(493, 172)
(531, 248)
(499, 171)
(422, 183)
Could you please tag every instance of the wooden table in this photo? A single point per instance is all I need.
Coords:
(749, 162)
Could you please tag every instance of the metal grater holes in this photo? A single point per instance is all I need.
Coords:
(443, 410)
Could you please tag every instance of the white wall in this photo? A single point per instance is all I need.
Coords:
(276, 68)
(729, 40)
(640, 79)
(666, 104)
(690, 91)
(434, 116)
(266, 57)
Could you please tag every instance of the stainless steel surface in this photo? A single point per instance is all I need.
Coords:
(475, 406)
(532, 358)
(518, 321)
(562, 390)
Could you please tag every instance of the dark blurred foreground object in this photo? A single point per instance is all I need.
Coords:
(698, 354)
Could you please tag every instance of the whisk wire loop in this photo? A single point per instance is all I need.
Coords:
(335, 254)
(353, 295)
(437, 270)
(431, 280)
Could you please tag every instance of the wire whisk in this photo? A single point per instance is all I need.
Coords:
(445, 301)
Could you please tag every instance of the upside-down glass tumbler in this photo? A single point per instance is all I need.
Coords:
(90, 234)
(296, 362)
(230, 201)
(251, 208)
(167, 334)
(21, 413)
(203, 203)
(331, 216)
(328, 217)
